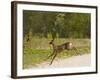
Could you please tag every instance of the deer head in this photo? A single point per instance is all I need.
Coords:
(51, 43)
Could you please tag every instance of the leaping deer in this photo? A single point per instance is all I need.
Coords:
(59, 48)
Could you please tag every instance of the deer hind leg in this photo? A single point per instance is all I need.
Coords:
(74, 48)
(53, 58)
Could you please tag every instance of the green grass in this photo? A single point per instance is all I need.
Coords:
(37, 52)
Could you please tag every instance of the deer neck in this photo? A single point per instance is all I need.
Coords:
(53, 45)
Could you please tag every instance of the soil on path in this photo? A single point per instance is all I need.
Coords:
(75, 61)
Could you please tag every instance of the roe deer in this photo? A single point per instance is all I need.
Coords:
(59, 48)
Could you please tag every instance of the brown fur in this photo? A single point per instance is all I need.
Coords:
(59, 48)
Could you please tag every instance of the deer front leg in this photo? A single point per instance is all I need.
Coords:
(53, 58)
(50, 55)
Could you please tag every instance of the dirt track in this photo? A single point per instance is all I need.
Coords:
(75, 61)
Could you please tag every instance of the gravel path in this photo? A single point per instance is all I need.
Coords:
(75, 61)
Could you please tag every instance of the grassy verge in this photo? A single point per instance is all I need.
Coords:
(32, 57)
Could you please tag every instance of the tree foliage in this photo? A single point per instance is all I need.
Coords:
(56, 24)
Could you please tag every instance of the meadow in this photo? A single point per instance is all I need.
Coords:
(38, 49)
